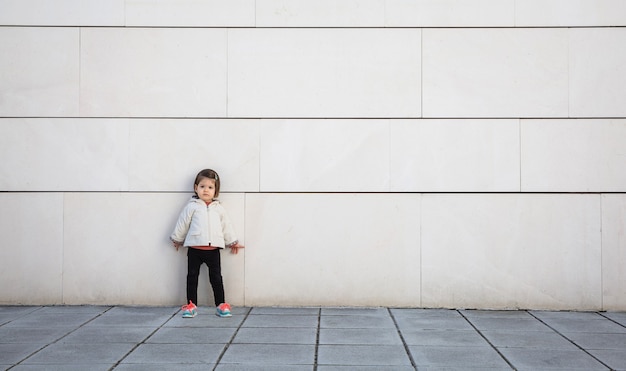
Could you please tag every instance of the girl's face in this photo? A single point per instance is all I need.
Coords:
(205, 189)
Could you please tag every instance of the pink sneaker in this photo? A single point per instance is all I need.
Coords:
(190, 310)
(223, 310)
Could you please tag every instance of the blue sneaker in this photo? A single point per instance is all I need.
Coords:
(223, 310)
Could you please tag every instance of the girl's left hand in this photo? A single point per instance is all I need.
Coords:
(234, 249)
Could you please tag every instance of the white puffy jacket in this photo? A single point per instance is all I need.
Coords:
(201, 225)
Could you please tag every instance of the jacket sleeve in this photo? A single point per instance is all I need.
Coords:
(230, 238)
(182, 225)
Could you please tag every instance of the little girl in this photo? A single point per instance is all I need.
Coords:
(204, 227)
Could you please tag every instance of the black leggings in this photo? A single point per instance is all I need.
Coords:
(211, 258)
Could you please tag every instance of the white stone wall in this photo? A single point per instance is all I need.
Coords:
(419, 153)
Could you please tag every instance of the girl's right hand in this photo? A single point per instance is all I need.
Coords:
(177, 245)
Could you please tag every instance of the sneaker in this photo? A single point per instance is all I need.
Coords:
(223, 310)
(190, 310)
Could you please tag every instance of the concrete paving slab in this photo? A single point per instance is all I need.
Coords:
(163, 367)
(249, 367)
(72, 309)
(71, 354)
(193, 335)
(50, 320)
(205, 320)
(619, 317)
(63, 367)
(19, 309)
(528, 339)
(553, 359)
(598, 326)
(288, 320)
(298, 311)
(484, 356)
(433, 323)
(10, 313)
(269, 354)
(272, 335)
(356, 321)
(357, 355)
(107, 335)
(446, 338)
(363, 336)
(510, 324)
(466, 368)
(598, 341)
(135, 316)
(31, 335)
(424, 313)
(547, 315)
(508, 314)
(178, 354)
(14, 353)
(614, 358)
(364, 368)
(382, 312)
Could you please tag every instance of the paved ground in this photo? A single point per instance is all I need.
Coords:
(157, 338)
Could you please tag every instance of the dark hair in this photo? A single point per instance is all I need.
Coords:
(211, 174)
